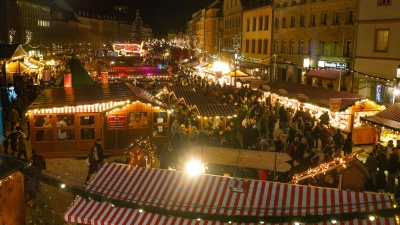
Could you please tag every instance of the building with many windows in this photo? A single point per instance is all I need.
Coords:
(256, 38)
(213, 25)
(233, 17)
(320, 32)
(377, 49)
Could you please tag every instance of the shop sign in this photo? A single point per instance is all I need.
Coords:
(334, 104)
(333, 65)
(116, 121)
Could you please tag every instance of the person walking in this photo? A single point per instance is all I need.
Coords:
(38, 161)
(100, 150)
(13, 116)
(393, 170)
(21, 145)
(348, 144)
(93, 162)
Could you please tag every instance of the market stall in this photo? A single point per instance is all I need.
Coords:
(154, 196)
(65, 122)
(387, 122)
(344, 109)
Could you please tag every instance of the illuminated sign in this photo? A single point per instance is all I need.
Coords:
(334, 65)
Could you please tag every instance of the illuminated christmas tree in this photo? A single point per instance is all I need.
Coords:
(137, 34)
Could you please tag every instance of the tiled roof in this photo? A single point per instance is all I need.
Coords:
(195, 98)
(389, 117)
(316, 95)
(92, 94)
(216, 110)
(180, 88)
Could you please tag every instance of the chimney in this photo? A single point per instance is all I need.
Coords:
(67, 77)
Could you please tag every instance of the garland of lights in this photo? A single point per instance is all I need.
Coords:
(146, 144)
(308, 219)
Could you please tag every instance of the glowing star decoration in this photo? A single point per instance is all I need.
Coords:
(28, 36)
(11, 34)
(194, 42)
(236, 44)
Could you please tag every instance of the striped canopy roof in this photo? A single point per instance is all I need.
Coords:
(208, 194)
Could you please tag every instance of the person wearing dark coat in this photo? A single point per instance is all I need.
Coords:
(310, 141)
(301, 149)
(271, 126)
(325, 135)
(253, 137)
(297, 168)
(324, 118)
(393, 169)
(93, 161)
(100, 150)
(348, 144)
(338, 138)
(278, 143)
(38, 161)
(234, 142)
(371, 163)
(13, 137)
(315, 133)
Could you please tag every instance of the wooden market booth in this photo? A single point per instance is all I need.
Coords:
(117, 113)
(345, 109)
(387, 122)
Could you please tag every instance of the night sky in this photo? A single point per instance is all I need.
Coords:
(163, 15)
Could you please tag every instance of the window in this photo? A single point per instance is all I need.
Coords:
(254, 23)
(303, 1)
(159, 120)
(323, 19)
(292, 46)
(43, 128)
(276, 22)
(284, 46)
(284, 22)
(384, 2)
(350, 17)
(259, 46)
(138, 120)
(248, 25)
(336, 18)
(64, 134)
(247, 45)
(301, 45)
(88, 132)
(253, 46)
(348, 45)
(302, 21)
(265, 48)
(292, 21)
(294, 2)
(260, 23)
(312, 21)
(334, 48)
(284, 4)
(381, 40)
(276, 46)
(322, 50)
(266, 22)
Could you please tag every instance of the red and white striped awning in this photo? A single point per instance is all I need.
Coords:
(211, 194)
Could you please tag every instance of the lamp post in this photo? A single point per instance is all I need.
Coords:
(397, 86)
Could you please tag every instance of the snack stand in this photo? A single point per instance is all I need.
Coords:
(345, 109)
(387, 122)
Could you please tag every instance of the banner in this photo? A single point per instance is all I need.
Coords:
(334, 104)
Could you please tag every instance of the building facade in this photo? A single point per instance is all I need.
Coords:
(256, 38)
(231, 36)
(377, 49)
(213, 23)
(321, 32)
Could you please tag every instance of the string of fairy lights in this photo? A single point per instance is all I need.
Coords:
(27, 170)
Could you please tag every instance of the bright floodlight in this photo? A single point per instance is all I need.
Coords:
(396, 92)
(372, 218)
(194, 167)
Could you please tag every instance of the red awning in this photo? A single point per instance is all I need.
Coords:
(208, 194)
(325, 74)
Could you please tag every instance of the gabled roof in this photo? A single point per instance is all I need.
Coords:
(212, 195)
(92, 94)
(316, 95)
(79, 74)
(11, 52)
(390, 117)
